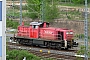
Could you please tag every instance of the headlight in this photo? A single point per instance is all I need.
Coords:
(67, 32)
(71, 32)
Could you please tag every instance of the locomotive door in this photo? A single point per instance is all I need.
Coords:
(60, 35)
(34, 31)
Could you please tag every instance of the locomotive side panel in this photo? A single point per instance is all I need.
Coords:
(34, 31)
(23, 31)
(48, 33)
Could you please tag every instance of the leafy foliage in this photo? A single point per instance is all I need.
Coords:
(33, 8)
(82, 51)
(50, 11)
(11, 23)
(78, 1)
(19, 55)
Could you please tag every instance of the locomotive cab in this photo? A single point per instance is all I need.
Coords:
(35, 28)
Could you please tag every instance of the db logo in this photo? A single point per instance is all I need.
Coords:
(48, 32)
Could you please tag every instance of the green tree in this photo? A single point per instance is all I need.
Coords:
(11, 23)
(50, 12)
(78, 1)
(33, 8)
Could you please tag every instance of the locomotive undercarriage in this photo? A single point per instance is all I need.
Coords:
(59, 44)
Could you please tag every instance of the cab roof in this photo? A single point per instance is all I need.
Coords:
(38, 23)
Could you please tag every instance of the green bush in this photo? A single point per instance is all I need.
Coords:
(81, 36)
(11, 23)
(20, 54)
(81, 51)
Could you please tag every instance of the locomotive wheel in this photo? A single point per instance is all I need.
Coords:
(58, 46)
(66, 48)
(47, 44)
(20, 41)
(29, 42)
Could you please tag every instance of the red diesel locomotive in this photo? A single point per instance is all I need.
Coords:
(40, 34)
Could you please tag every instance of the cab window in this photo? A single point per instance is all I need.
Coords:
(35, 26)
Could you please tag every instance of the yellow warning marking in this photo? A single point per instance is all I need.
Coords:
(41, 51)
(48, 52)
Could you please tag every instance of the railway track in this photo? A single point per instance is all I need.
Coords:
(16, 44)
(54, 56)
(46, 53)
